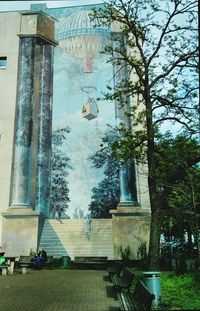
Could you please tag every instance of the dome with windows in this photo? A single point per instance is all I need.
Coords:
(78, 36)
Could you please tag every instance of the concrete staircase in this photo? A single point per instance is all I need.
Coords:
(68, 237)
(51, 242)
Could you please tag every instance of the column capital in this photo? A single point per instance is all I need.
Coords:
(38, 24)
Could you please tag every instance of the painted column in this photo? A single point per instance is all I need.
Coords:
(31, 168)
(44, 143)
(23, 222)
(125, 194)
(22, 154)
(128, 195)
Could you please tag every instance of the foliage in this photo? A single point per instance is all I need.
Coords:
(78, 214)
(59, 197)
(181, 202)
(178, 185)
(179, 292)
(157, 44)
(125, 254)
(142, 254)
(33, 253)
(173, 156)
(163, 53)
(106, 195)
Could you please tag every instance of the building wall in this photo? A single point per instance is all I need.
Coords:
(9, 27)
(67, 104)
(81, 72)
(129, 233)
(78, 237)
(106, 237)
(83, 141)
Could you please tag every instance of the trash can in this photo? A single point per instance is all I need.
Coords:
(152, 281)
(65, 260)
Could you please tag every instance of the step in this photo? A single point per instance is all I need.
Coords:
(68, 237)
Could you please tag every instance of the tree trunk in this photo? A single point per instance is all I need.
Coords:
(196, 222)
(154, 242)
(155, 230)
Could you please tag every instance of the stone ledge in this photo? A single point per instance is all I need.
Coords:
(130, 211)
(20, 211)
(132, 204)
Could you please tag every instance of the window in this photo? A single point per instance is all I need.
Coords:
(3, 62)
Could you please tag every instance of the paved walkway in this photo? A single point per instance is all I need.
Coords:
(57, 290)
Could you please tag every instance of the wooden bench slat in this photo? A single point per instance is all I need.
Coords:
(90, 259)
(25, 259)
(115, 268)
(126, 303)
(25, 262)
(123, 281)
(140, 299)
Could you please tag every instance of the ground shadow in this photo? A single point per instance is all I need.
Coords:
(113, 309)
(110, 292)
(106, 278)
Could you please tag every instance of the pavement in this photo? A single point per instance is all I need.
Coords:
(57, 290)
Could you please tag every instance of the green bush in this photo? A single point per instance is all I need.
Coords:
(179, 292)
(142, 255)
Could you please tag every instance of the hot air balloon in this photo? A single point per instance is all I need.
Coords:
(78, 37)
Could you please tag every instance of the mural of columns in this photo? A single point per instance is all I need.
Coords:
(44, 139)
(125, 195)
(22, 154)
(128, 193)
(32, 149)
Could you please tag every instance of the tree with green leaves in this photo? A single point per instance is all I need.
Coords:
(60, 165)
(106, 196)
(184, 207)
(156, 44)
(178, 185)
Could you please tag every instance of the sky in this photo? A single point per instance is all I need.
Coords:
(25, 5)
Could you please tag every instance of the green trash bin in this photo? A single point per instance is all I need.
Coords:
(152, 281)
(65, 261)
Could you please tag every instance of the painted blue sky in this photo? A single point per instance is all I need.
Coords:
(25, 5)
(70, 81)
(68, 99)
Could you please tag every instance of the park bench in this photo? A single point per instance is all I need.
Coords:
(114, 268)
(141, 299)
(4, 269)
(11, 261)
(123, 281)
(27, 261)
(91, 261)
(24, 263)
(49, 262)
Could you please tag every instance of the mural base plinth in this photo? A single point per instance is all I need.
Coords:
(128, 204)
(131, 228)
(21, 229)
(130, 209)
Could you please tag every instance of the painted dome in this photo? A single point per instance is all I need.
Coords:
(78, 36)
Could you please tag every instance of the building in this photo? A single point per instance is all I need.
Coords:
(51, 72)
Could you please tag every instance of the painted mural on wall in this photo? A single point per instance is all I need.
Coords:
(81, 74)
